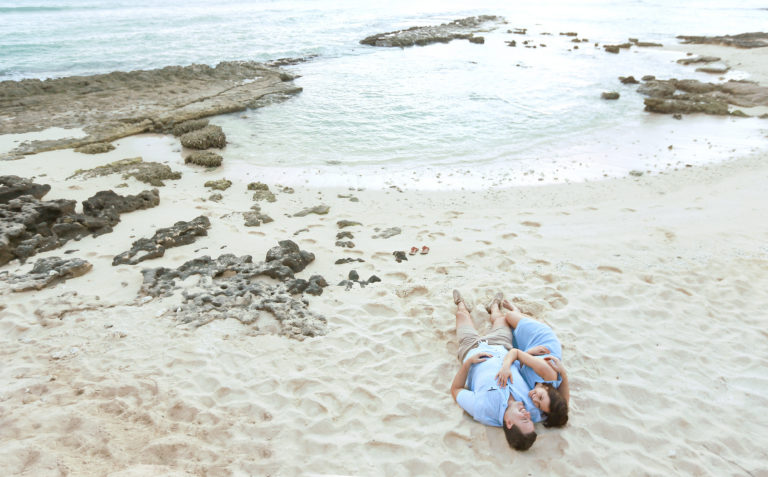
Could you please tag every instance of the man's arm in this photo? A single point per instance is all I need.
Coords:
(461, 376)
(538, 365)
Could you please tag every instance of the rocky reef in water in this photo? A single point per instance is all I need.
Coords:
(463, 29)
(675, 96)
(236, 287)
(742, 40)
(118, 104)
(29, 225)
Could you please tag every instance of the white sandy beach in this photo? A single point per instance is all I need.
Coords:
(656, 285)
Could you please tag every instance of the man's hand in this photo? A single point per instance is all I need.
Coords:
(479, 358)
(503, 376)
(538, 350)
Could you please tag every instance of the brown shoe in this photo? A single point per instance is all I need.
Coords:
(497, 298)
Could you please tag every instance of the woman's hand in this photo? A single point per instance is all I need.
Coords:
(538, 350)
(503, 376)
(555, 364)
(479, 358)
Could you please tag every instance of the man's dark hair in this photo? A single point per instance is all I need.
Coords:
(518, 440)
(558, 408)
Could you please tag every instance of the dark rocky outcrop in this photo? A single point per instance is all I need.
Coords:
(29, 225)
(425, 35)
(15, 186)
(114, 105)
(208, 137)
(181, 233)
(742, 40)
(95, 148)
(229, 287)
(204, 158)
(152, 173)
(49, 271)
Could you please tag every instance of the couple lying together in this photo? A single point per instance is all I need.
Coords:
(512, 377)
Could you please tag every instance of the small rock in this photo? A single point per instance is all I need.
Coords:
(353, 275)
(399, 255)
(347, 260)
(215, 197)
(677, 116)
(220, 184)
(636, 173)
(343, 235)
(648, 78)
(189, 126)
(205, 138)
(203, 158)
(347, 223)
(318, 209)
(95, 148)
(628, 80)
(345, 244)
(610, 95)
(387, 233)
(477, 39)
(374, 279)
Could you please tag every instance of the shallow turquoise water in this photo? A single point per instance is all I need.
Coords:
(446, 107)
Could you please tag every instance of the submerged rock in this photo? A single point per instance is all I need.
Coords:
(208, 137)
(95, 148)
(610, 95)
(181, 233)
(699, 97)
(698, 59)
(49, 271)
(742, 40)
(672, 106)
(203, 158)
(425, 35)
(152, 173)
(229, 287)
(628, 80)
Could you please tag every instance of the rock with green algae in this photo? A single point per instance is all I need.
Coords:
(152, 173)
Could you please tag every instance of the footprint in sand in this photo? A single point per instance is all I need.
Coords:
(606, 268)
(528, 223)
(396, 275)
(258, 234)
(379, 310)
(509, 235)
(627, 209)
(485, 242)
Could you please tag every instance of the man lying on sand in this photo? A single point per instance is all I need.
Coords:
(488, 385)
(508, 407)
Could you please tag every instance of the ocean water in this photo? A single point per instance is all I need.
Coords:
(438, 116)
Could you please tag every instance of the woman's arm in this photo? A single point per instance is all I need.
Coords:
(538, 365)
(557, 365)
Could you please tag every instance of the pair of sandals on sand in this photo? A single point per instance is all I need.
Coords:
(415, 250)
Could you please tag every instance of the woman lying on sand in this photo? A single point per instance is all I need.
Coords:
(545, 375)
(475, 387)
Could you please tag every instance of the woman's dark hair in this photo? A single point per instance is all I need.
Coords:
(518, 440)
(558, 408)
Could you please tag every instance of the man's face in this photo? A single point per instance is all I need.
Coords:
(540, 398)
(517, 415)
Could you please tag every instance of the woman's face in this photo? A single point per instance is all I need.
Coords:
(540, 397)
